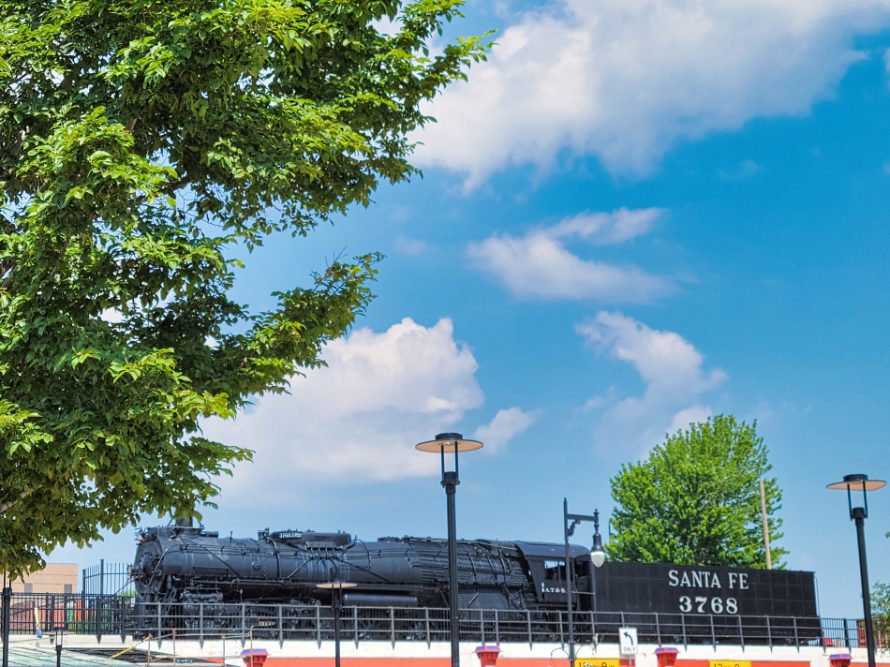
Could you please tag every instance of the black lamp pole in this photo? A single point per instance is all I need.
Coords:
(336, 603)
(7, 600)
(597, 557)
(446, 443)
(858, 514)
(336, 586)
(58, 648)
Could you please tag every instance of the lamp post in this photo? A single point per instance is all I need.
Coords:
(335, 586)
(58, 648)
(448, 443)
(859, 482)
(597, 558)
(4, 618)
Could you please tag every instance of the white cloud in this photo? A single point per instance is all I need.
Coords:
(608, 228)
(692, 414)
(356, 419)
(673, 374)
(538, 265)
(624, 80)
(505, 426)
(112, 316)
(412, 247)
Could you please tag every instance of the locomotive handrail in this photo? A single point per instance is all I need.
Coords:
(111, 615)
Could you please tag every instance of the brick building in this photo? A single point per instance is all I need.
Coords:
(54, 578)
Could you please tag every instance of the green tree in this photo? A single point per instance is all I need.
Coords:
(144, 147)
(696, 500)
(880, 603)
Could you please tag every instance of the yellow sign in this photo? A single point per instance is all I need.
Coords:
(729, 663)
(599, 662)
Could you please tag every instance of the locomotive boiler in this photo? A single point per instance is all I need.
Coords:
(183, 564)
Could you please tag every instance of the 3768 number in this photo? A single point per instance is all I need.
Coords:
(701, 604)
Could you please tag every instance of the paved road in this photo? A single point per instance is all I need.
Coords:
(38, 656)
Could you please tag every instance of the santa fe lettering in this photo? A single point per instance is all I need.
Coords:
(706, 579)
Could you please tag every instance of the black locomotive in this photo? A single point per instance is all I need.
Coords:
(185, 572)
(187, 564)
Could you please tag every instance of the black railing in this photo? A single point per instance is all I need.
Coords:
(33, 613)
(107, 579)
(107, 615)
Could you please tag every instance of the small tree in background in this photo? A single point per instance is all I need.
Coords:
(696, 500)
(880, 606)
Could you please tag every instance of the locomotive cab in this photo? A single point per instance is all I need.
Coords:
(547, 572)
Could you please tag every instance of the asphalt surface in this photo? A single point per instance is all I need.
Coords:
(38, 656)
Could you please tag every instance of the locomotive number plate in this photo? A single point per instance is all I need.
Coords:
(598, 662)
(729, 663)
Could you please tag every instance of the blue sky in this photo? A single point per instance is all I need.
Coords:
(636, 214)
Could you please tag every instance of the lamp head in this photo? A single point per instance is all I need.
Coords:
(448, 443)
(861, 484)
(597, 553)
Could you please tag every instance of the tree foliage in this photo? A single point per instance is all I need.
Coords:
(144, 146)
(880, 602)
(696, 500)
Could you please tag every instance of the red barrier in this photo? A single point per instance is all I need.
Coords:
(840, 659)
(667, 656)
(254, 657)
(488, 655)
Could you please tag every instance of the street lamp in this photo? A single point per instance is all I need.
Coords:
(446, 443)
(858, 514)
(597, 557)
(335, 586)
(59, 648)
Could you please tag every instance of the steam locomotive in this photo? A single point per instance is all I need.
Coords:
(184, 572)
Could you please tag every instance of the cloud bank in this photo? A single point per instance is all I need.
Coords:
(673, 375)
(624, 80)
(359, 417)
(539, 264)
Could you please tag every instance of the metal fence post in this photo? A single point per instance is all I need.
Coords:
(796, 637)
(201, 624)
(426, 618)
(355, 625)
(528, 620)
(392, 627)
(685, 638)
(769, 634)
(741, 633)
(99, 619)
